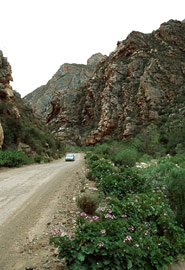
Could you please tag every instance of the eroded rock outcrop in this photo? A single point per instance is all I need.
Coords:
(6, 92)
(62, 86)
(59, 101)
(20, 128)
(5, 78)
(142, 81)
(1, 136)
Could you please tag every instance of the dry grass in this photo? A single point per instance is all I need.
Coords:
(180, 266)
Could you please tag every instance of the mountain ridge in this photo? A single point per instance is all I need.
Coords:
(141, 82)
(20, 128)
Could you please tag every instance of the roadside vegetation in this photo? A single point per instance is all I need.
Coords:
(27, 139)
(137, 218)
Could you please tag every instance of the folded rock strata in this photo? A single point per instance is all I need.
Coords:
(141, 81)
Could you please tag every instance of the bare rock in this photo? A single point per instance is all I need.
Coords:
(1, 136)
(141, 80)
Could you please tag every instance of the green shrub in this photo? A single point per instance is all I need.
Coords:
(138, 232)
(145, 158)
(115, 181)
(38, 158)
(157, 175)
(179, 159)
(101, 167)
(126, 157)
(137, 228)
(88, 202)
(102, 149)
(13, 158)
(120, 184)
(148, 141)
(90, 158)
(176, 139)
(47, 159)
(12, 131)
(176, 190)
(90, 176)
(169, 176)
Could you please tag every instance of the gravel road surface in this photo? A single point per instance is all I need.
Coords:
(34, 201)
(28, 199)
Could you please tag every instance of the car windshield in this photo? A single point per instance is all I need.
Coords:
(69, 155)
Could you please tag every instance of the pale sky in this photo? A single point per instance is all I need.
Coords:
(38, 36)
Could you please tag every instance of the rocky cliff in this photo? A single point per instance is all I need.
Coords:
(63, 87)
(6, 92)
(20, 128)
(142, 81)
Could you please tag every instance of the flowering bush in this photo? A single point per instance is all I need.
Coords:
(114, 181)
(169, 176)
(135, 230)
(120, 184)
(138, 232)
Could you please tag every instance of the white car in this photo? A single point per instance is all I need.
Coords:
(70, 157)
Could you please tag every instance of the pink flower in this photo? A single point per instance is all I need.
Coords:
(103, 231)
(58, 231)
(83, 214)
(100, 244)
(165, 214)
(95, 217)
(109, 216)
(136, 245)
(109, 211)
(102, 209)
(146, 232)
(107, 198)
(127, 239)
(124, 216)
(70, 236)
(131, 229)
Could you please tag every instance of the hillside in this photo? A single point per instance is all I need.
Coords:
(20, 128)
(141, 82)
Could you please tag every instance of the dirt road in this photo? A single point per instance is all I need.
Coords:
(34, 201)
(29, 197)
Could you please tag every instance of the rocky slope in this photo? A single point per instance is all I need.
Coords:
(142, 81)
(20, 128)
(6, 92)
(63, 87)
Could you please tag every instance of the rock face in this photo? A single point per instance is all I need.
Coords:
(142, 81)
(62, 87)
(20, 128)
(1, 136)
(6, 92)
(59, 101)
(5, 78)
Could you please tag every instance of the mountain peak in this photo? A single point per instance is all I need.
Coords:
(140, 83)
(95, 58)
